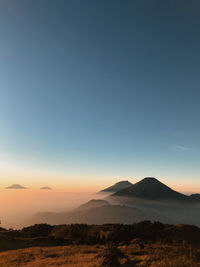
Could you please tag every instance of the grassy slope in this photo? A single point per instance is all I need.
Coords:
(153, 255)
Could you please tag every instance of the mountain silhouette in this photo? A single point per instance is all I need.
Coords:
(116, 187)
(94, 203)
(152, 189)
(97, 215)
(16, 186)
(148, 199)
(45, 188)
(195, 197)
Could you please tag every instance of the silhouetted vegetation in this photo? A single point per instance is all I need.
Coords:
(41, 230)
(112, 255)
(140, 244)
(82, 234)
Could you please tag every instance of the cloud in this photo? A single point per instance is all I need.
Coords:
(185, 148)
(16, 186)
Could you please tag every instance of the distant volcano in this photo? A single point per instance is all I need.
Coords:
(116, 187)
(45, 188)
(16, 186)
(152, 189)
(94, 203)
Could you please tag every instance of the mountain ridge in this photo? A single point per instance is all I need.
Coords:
(116, 187)
(152, 189)
(148, 199)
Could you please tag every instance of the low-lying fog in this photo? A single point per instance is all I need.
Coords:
(18, 205)
(172, 211)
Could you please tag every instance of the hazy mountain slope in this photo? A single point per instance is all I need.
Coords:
(152, 189)
(117, 214)
(148, 199)
(118, 186)
(99, 215)
(195, 197)
(94, 203)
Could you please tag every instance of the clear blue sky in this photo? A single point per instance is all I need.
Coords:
(101, 88)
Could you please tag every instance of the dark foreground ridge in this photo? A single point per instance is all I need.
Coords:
(48, 235)
(117, 245)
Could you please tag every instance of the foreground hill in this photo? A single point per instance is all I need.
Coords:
(116, 187)
(143, 244)
(152, 189)
(153, 255)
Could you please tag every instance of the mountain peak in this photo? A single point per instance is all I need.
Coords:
(150, 180)
(45, 188)
(152, 189)
(118, 186)
(15, 186)
(120, 182)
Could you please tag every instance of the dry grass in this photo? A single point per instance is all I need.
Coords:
(153, 255)
(52, 256)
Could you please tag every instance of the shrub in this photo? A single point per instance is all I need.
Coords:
(111, 256)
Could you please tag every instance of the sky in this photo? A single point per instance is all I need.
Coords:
(93, 92)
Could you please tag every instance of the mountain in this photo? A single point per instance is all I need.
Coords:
(94, 203)
(148, 199)
(15, 186)
(152, 189)
(116, 187)
(45, 188)
(105, 214)
(195, 197)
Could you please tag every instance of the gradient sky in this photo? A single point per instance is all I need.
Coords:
(95, 91)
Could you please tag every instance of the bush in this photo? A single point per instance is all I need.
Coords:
(111, 256)
(36, 230)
